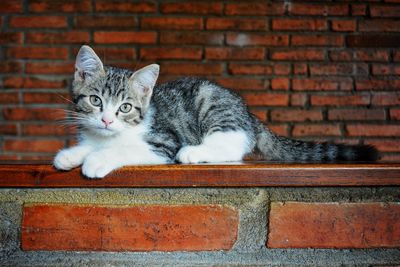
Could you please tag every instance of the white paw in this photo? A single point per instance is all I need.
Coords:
(67, 160)
(193, 154)
(97, 165)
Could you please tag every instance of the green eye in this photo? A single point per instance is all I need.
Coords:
(95, 100)
(125, 108)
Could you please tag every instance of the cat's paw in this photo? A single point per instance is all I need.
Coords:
(67, 160)
(97, 165)
(192, 154)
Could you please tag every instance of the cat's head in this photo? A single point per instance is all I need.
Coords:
(109, 100)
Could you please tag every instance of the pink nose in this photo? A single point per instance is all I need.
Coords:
(106, 121)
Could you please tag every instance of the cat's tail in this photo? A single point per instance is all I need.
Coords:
(274, 147)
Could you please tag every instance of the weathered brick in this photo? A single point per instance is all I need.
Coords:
(236, 24)
(280, 83)
(206, 8)
(8, 129)
(50, 98)
(334, 225)
(266, 99)
(348, 25)
(31, 82)
(358, 9)
(59, 6)
(250, 69)
(386, 99)
(19, 145)
(189, 37)
(125, 6)
(168, 23)
(249, 39)
(242, 83)
(321, 84)
(72, 37)
(183, 68)
(46, 129)
(222, 53)
(374, 84)
(386, 145)
(395, 114)
(377, 25)
(11, 6)
(122, 37)
(300, 68)
(300, 130)
(379, 55)
(10, 67)
(104, 21)
(27, 114)
(385, 69)
(9, 97)
(10, 38)
(250, 8)
(49, 68)
(37, 52)
(171, 53)
(135, 228)
(317, 40)
(341, 55)
(298, 54)
(296, 115)
(372, 40)
(298, 99)
(299, 24)
(357, 114)
(340, 100)
(38, 22)
(318, 9)
(280, 129)
(372, 130)
(384, 11)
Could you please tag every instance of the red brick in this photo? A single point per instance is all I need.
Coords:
(10, 67)
(357, 114)
(119, 37)
(39, 22)
(377, 25)
(299, 24)
(11, 6)
(298, 54)
(108, 21)
(242, 83)
(135, 228)
(373, 130)
(250, 69)
(316, 130)
(300, 68)
(321, 84)
(318, 9)
(171, 53)
(8, 129)
(396, 56)
(167, 23)
(206, 8)
(183, 68)
(372, 55)
(185, 37)
(341, 55)
(260, 114)
(391, 158)
(344, 25)
(46, 130)
(279, 129)
(262, 9)
(10, 38)
(21, 82)
(280, 83)
(374, 84)
(334, 225)
(388, 145)
(236, 24)
(125, 6)
(385, 69)
(296, 115)
(244, 39)
(298, 99)
(59, 6)
(33, 145)
(77, 37)
(339, 69)
(340, 100)
(384, 11)
(317, 40)
(358, 9)
(8, 97)
(395, 114)
(266, 99)
(51, 98)
(49, 68)
(386, 99)
(372, 40)
(27, 114)
(224, 53)
(37, 52)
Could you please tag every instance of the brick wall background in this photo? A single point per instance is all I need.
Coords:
(320, 70)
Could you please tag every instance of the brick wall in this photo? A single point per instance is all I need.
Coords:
(321, 70)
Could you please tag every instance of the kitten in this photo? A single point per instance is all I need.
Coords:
(124, 119)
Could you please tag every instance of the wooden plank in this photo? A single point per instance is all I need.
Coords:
(249, 174)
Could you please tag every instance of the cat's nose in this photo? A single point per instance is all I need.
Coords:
(106, 121)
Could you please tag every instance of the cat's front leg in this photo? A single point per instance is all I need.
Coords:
(72, 157)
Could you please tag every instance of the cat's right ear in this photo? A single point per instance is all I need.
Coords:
(87, 64)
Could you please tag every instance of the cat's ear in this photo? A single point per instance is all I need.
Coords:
(87, 64)
(144, 80)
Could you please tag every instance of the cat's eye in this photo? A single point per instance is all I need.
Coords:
(125, 108)
(95, 100)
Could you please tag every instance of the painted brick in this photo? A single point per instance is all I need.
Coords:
(124, 37)
(300, 130)
(334, 225)
(136, 228)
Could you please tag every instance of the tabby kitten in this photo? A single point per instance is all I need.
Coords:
(124, 119)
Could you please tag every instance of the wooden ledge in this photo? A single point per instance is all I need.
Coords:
(248, 174)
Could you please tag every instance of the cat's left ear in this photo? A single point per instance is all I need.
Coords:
(144, 80)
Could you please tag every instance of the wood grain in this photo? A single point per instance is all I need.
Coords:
(248, 174)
